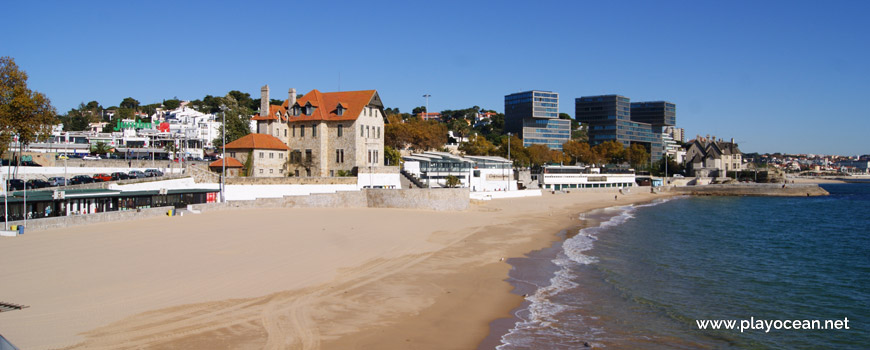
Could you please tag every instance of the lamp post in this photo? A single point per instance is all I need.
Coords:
(426, 113)
(224, 150)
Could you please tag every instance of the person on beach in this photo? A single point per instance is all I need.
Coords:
(615, 197)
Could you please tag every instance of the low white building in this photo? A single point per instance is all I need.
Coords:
(479, 173)
(565, 177)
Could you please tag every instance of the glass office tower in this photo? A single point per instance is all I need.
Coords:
(534, 117)
(616, 118)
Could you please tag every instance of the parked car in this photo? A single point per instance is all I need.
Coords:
(96, 157)
(81, 179)
(38, 183)
(16, 184)
(57, 181)
(62, 157)
(136, 174)
(103, 177)
(153, 173)
(120, 176)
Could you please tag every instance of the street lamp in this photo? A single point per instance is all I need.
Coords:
(426, 113)
(224, 150)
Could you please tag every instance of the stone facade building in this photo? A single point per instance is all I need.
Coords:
(327, 133)
(268, 155)
(708, 157)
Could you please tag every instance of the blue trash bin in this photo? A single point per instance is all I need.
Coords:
(20, 229)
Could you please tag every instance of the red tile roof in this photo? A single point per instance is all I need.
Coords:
(326, 103)
(231, 163)
(273, 109)
(258, 141)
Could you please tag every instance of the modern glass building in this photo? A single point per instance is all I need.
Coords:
(534, 117)
(616, 118)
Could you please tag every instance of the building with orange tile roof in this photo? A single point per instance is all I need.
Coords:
(233, 166)
(268, 155)
(326, 132)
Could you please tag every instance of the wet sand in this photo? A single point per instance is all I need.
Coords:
(280, 278)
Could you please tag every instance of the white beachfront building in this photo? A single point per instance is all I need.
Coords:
(479, 173)
(565, 177)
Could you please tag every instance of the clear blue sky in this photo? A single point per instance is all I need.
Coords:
(778, 76)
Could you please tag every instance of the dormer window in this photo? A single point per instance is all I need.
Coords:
(309, 109)
(339, 110)
(295, 111)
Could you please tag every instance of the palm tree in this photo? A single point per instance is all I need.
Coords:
(100, 148)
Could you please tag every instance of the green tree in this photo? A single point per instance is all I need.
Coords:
(248, 167)
(76, 119)
(24, 113)
(238, 121)
(638, 156)
(459, 126)
(171, 104)
(673, 167)
(577, 151)
(392, 156)
(100, 148)
(452, 181)
(477, 146)
(130, 103)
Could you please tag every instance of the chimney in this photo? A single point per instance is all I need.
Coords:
(732, 140)
(291, 98)
(264, 100)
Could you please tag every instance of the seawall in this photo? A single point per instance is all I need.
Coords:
(771, 190)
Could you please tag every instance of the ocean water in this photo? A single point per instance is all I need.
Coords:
(640, 276)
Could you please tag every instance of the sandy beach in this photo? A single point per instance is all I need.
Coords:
(280, 278)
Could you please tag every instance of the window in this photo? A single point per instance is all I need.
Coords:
(307, 172)
(368, 132)
(294, 131)
(271, 155)
(285, 132)
(379, 132)
(339, 111)
(280, 155)
(295, 111)
(261, 155)
(302, 131)
(340, 129)
(233, 154)
(314, 130)
(308, 156)
(362, 131)
(296, 173)
(261, 171)
(339, 156)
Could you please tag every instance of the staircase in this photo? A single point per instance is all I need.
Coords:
(410, 181)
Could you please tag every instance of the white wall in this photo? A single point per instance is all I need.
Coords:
(390, 181)
(251, 192)
(504, 194)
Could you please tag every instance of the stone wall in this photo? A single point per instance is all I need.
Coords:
(77, 220)
(774, 190)
(436, 199)
(446, 199)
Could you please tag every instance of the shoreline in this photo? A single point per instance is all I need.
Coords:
(379, 278)
(436, 327)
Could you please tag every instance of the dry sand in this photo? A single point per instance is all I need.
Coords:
(280, 278)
